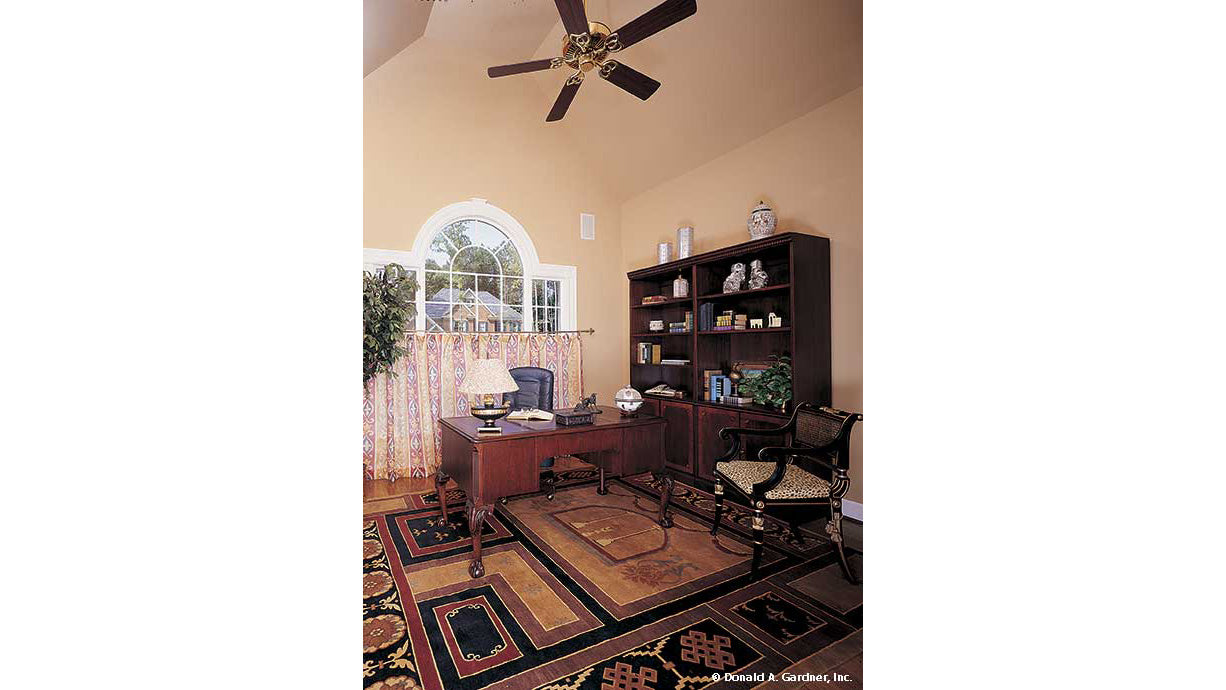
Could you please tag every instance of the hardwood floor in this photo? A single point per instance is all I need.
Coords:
(373, 489)
(844, 657)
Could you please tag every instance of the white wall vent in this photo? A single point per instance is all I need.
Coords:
(587, 226)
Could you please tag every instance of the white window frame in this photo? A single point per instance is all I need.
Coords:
(480, 209)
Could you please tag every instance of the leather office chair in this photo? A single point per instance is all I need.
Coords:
(812, 471)
(535, 390)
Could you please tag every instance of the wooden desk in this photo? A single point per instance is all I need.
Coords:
(491, 467)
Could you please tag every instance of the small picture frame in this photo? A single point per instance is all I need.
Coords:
(750, 370)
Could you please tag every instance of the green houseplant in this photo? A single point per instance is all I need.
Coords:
(388, 298)
(772, 387)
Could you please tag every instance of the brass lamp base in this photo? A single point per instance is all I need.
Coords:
(489, 414)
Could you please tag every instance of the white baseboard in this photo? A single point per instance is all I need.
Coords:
(853, 510)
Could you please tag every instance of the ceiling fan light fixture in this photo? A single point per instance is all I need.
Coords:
(587, 45)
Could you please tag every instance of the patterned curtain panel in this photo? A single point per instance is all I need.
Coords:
(401, 436)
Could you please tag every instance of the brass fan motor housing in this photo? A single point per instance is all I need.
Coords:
(592, 55)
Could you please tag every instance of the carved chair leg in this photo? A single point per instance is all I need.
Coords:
(759, 529)
(835, 529)
(440, 485)
(719, 504)
(548, 479)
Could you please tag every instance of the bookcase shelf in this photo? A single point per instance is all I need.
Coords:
(748, 331)
(799, 266)
(738, 293)
(662, 303)
(660, 334)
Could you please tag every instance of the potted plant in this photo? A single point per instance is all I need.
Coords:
(388, 298)
(772, 387)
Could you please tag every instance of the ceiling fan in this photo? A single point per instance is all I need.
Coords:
(589, 45)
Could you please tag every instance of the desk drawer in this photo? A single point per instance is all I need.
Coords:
(589, 441)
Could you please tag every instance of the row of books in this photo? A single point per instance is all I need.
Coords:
(682, 326)
(730, 321)
(648, 353)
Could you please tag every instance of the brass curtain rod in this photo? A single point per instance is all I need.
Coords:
(589, 331)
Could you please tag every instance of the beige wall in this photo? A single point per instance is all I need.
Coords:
(438, 131)
(810, 171)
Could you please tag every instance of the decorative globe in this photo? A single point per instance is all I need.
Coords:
(628, 400)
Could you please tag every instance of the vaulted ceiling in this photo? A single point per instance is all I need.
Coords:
(730, 73)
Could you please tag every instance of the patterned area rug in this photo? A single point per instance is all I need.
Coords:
(587, 591)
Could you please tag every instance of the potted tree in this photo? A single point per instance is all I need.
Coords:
(387, 314)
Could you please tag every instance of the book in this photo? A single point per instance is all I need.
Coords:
(531, 415)
(706, 381)
(655, 353)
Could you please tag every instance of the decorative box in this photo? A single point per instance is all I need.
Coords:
(574, 417)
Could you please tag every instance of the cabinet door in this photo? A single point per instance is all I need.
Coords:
(650, 406)
(710, 445)
(679, 437)
(752, 444)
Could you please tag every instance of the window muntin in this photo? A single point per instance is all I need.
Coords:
(546, 301)
(474, 280)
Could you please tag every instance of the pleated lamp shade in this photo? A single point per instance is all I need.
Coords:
(488, 376)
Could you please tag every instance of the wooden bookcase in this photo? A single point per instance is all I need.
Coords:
(798, 291)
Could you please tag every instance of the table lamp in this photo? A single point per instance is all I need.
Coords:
(485, 379)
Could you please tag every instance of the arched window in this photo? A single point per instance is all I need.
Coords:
(474, 280)
(478, 272)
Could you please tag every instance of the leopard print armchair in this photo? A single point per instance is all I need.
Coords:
(810, 471)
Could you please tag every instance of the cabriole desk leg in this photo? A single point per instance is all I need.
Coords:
(476, 522)
(440, 485)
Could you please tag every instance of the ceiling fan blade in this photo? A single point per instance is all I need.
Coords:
(574, 17)
(519, 68)
(629, 79)
(564, 98)
(654, 20)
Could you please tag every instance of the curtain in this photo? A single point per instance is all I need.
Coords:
(401, 436)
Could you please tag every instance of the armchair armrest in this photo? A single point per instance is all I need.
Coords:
(779, 455)
(734, 433)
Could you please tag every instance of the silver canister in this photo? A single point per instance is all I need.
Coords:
(685, 242)
(664, 252)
